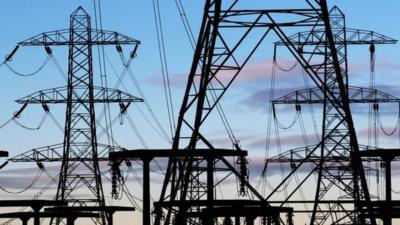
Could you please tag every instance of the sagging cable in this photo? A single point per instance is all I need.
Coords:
(292, 67)
(279, 124)
(9, 58)
(44, 117)
(29, 74)
(386, 132)
(35, 179)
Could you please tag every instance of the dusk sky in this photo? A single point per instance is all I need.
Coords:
(246, 104)
(24, 19)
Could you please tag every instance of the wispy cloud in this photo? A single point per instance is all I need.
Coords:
(253, 72)
(386, 69)
(284, 140)
(260, 99)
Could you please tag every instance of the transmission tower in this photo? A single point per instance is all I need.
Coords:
(80, 172)
(332, 157)
(216, 65)
(191, 180)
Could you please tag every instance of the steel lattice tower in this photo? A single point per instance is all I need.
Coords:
(336, 138)
(190, 180)
(334, 160)
(80, 125)
(80, 173)
(216, 65)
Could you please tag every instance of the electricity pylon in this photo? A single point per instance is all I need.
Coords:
(80, 181)
(216, 65)
(333, 160)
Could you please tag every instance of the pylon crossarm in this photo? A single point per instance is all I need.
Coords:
(354, 37)
(356, 95)
(241, 18)
(60, 95)
(61, 37)
(54, 153)
(302, 154)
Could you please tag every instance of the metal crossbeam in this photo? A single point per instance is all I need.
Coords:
(356, 95)
(308, 154)
(60, 95)
(54, 153)
(353, 37)
(61, 37)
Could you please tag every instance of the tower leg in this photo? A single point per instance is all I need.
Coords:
(146, 191)
(388, 182)
(249, 220)
(237, 220)
(24, 221)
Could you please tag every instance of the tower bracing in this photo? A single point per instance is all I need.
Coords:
(80, 183)
(332, 158)
(197, 187)
(217, 64)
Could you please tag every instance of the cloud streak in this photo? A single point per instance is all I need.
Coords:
(253, 72)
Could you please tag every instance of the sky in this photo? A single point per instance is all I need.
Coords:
(22, 19)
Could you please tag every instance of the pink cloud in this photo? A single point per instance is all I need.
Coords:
(262, 70)
(255, 71)
(389, 141)
(384, 64)
(284, 140)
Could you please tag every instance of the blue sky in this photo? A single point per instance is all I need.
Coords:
(21, 19)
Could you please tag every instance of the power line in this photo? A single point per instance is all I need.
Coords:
(164, 65)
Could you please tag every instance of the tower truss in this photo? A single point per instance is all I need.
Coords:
(80, 181)
(216, 65)
(331, 157)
